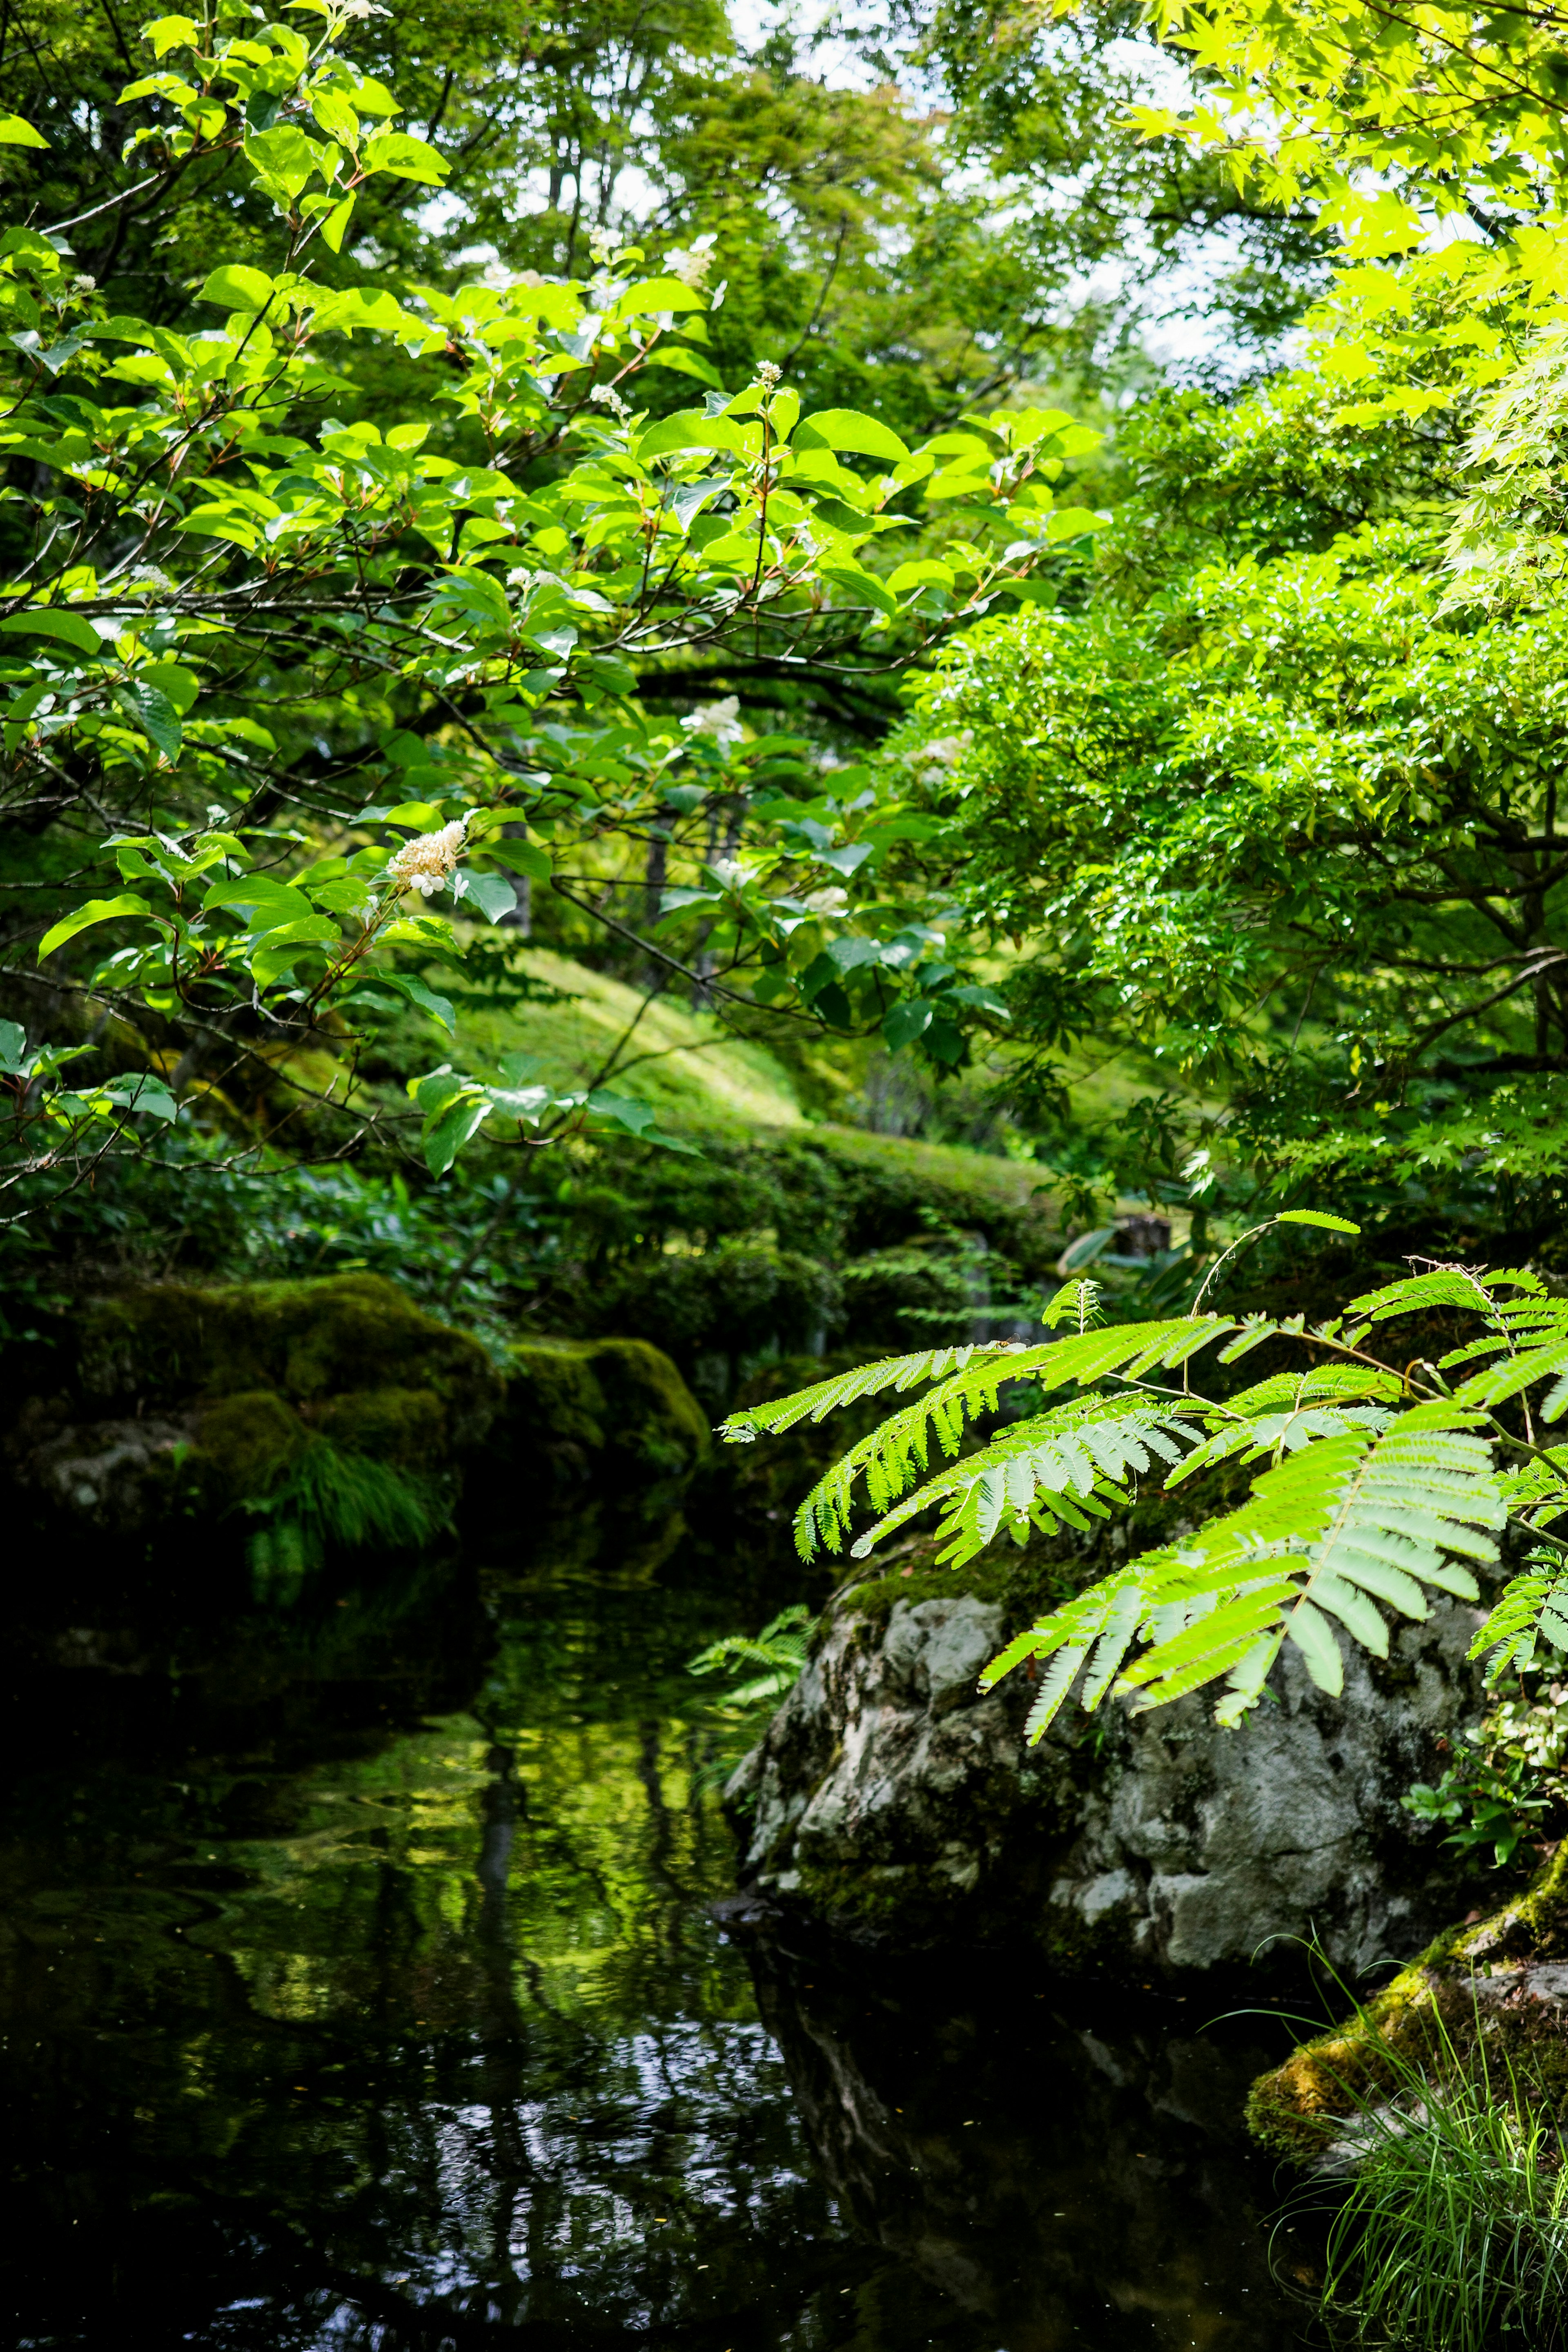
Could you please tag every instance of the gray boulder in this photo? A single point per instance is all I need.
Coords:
(890, 1798)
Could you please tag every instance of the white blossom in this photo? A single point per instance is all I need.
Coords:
(767, 375)
(941, 755)
(720, 720)
(360, 9)
(692, 262)
(424, 863)
(827, 902)
(608, 397)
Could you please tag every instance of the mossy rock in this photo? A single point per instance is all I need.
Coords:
(170, 1343)
(1473, 1985)
(178, 1403)
(613, 1413)
(719, 1311)
(243, 1445)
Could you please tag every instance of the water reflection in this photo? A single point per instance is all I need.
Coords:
(1068, 2180)
(354, 2026)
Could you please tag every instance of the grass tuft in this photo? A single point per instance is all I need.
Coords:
(327, 1501)
(1452, 2233)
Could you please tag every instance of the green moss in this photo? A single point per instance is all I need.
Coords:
(1293, 2108)
(244, 1443)
(300, 1339)
(577, 1409)
(1023, 1584)
(236, 1384)
(170, 1343)
(406, 1427)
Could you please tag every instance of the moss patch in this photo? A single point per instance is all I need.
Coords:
(244, 1443)
(1432, 2015)
(577, 1410)
(180, 1404)
(171, 1343)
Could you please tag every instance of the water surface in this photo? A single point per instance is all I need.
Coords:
(383, 2005)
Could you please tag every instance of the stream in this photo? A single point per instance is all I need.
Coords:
(374, 1999)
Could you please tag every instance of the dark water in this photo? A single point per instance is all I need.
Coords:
(381, 2005)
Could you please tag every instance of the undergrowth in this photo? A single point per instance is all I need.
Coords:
(327, 1501)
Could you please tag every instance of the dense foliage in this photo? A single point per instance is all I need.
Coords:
(286, 678)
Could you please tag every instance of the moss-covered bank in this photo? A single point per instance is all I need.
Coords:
(1496, 1982)
(162, 1418)
(585, 1425)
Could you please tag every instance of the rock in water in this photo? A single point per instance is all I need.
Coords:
(888, 1796)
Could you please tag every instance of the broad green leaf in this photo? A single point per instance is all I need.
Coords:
(406, 157)
(657, 294)
(277, 952)
(494, 898)
(145, 1094)
(150, 709)
(335, 226)
(453, 1125)
(522, 856)
(417, 993)
(907, 1022)
(845, 429)
(689, 429)
(82, 918)
(49, 621)
(16, 132)
(238, 287)
(684, 362)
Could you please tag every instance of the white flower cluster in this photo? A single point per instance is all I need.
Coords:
(942, 754)
(720, 720)
(424, 863)
(767, 375)
(608, 397)
(692, 262)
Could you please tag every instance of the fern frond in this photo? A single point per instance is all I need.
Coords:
(1073, 1452)
(1362, 1516)
(897, 1372)
(1531, 1605)
(1075, 1302)
(893, 1453)
(1445, 1285)
(1067, 1638)
(1498, 1382)
(1279, 1432)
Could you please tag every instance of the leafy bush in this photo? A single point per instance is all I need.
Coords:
(1506, 1781)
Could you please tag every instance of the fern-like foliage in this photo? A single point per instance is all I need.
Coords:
(1378, 1482)
(891, 1456)
(1532, 1604)
(777, 1656)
